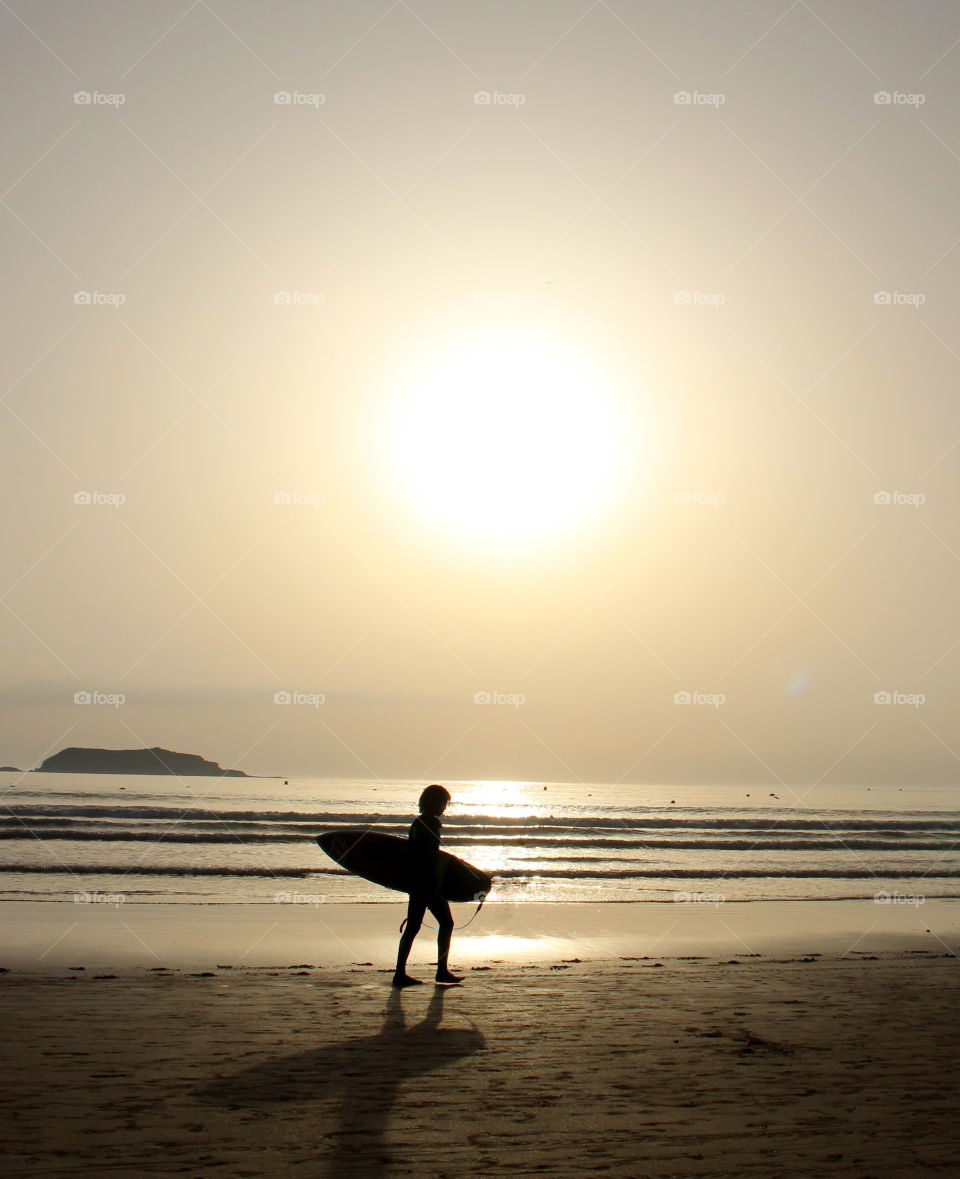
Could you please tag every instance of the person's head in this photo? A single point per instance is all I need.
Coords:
(433, 801)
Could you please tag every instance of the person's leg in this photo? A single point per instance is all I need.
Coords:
(416, 908)
(441, 910)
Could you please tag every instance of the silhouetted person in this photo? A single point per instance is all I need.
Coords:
(424, 841)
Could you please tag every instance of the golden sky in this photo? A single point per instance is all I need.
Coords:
(449, 390)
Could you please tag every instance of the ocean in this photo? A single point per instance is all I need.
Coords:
(252, 840)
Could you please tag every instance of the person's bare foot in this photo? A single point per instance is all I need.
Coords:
(447, 978)
(404, 980)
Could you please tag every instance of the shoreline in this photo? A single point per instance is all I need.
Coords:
(45, 936)
(178, 903)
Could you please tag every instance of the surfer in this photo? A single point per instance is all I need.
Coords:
(424, 840)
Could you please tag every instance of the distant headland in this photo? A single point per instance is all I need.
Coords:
(132, 761)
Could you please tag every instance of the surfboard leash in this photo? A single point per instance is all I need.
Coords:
(434, 928)
(479, 907)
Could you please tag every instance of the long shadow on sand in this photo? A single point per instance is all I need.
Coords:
(366, 1075)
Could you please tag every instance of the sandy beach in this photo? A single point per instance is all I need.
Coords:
(757, 1063)
(119, 937)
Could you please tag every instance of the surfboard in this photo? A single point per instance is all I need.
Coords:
(385, 860)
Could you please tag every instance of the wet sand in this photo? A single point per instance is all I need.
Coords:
(811, 1065)
(49, 936)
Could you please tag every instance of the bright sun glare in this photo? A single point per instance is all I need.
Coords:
(508, 434)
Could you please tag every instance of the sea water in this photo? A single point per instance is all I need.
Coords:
(124, 839)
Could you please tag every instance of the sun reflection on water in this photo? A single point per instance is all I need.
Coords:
(498, 799)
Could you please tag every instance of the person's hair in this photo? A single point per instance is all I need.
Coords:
(434, 799)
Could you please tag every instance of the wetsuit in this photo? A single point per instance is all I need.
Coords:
(424, 841)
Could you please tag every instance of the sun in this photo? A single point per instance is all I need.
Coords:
(507, 434)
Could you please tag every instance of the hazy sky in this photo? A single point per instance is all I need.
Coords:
(582, 340)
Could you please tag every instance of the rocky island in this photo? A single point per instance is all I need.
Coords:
(75, 760)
